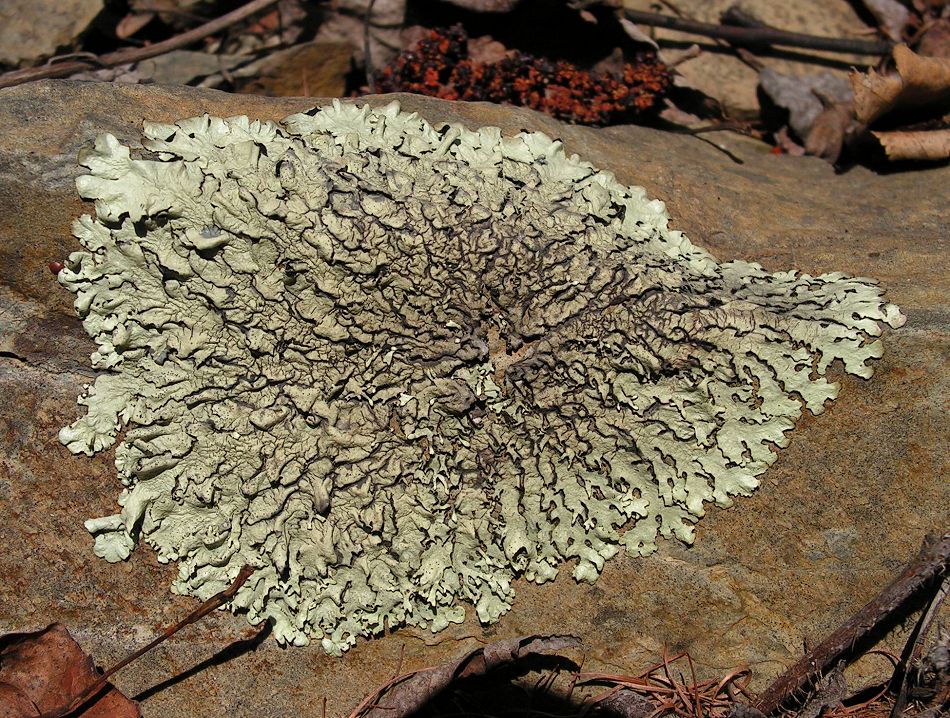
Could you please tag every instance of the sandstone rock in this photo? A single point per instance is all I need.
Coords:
(842, 508)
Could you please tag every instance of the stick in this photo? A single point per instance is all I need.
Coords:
(932, 561)
(762, 35)
(135, 54)
(216, 601)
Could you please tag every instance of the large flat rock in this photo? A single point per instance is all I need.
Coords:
(843, 507)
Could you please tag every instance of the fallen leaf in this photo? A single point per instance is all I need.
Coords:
(891, 16)
(406, 694)
(42, 671)
(486, 5)
(185, 67)
(626, 703)
(801, 95)
(674, 115)
(935, 42)
(828, 694)
(636, 34)
(132, 23)
(919, 81)
(671, 57)
(15, 704)
(346, 21)
(924, 145)
(485, 50)
(826, 137)
(310, 69)
(787, 144)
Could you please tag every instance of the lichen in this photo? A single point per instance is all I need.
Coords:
(395, 367)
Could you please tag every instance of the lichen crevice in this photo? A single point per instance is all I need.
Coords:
(395, 367)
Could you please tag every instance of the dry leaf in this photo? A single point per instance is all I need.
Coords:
(935, 42)
(828, 694)
(671, 57)
(46, 669)
(636, 34)
(674, 115)
(788, 145)
(132, 23)
(925, 145)
(626, 703)
(485, 5)
(310, 69)
(485, 50)
(801, 95)
(891, 16)
(346, 21)
(919, 81)
(826, 137)
(405, 695)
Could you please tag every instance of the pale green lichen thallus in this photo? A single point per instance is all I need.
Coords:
(396, 367)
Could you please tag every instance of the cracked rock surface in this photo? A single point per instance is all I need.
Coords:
(394, 367)
(844, 504)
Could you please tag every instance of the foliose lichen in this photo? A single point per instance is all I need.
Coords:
(394, 367)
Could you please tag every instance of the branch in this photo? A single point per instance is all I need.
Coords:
(135, 54)
(761, 35)
(932, 561)
(216, 601)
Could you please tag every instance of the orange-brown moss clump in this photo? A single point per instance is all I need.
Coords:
(439, 66)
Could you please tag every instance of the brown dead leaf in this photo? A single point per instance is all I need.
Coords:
(826, 137)
(406, 694)
(935, 42)
(919, 81)
(626, 703)
(15, 704)
(310, 69)
(828, 694)
(346, 21)
(787, 144)
(40, 672)
(132, 23)
(925, 145)
(802, 96)
(489, 6)
(485, 50)
(634, 32)
(892, 17)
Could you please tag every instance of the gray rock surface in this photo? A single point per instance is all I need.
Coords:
(839, 512)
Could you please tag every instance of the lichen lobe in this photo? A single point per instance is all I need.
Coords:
(394, 367)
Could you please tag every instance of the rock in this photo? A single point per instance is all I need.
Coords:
(845, 505)
(34, 29)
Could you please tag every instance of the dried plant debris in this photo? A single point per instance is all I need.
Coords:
(41, 670)
(444, 63)
(802, 96)
(407, 694)
(920, 84)
(394, 367)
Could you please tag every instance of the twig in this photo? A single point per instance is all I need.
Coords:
(932, 561)
(135, 54)
(764, 35)
(216, 601)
